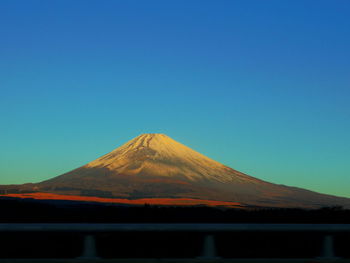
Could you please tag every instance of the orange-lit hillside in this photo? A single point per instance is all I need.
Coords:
(151, 201)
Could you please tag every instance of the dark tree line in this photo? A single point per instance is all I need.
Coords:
(27, 210)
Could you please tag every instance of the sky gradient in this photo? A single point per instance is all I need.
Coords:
(261, 86)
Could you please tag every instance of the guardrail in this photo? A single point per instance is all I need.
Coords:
(209, 249)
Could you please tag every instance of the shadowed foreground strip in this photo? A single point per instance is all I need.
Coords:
(179, 242)
(172, 261)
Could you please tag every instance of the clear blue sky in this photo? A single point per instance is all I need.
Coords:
(261, 86)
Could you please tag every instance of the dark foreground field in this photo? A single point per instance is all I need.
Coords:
(177, 245)
(17, 210)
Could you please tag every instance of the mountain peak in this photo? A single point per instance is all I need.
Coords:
(158, 154)
(146, 139)
(159, 142)
(153, 135)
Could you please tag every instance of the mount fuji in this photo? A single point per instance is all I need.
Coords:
(153, 168)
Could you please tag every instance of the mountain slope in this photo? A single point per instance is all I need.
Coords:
(156, 166)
